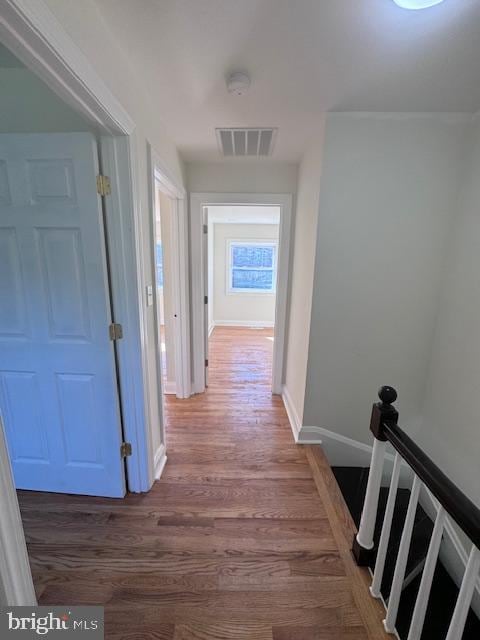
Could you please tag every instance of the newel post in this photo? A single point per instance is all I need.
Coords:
(382, 412)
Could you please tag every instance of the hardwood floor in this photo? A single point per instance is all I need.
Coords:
(241, 538)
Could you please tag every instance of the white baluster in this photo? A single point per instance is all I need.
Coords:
(386, 528)
(457, 623)
(401, 565)
(369, 513)
(418, 619)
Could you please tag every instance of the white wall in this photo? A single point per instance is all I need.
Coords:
(305, 236)
(388, 189)
(239, 308)
(27, 105)
(241, 177)
(88, 29)
(450, 432)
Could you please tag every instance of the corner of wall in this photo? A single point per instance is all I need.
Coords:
(302, 279)
(293, 417)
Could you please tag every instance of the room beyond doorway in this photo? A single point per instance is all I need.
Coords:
(164, 265)
(241, 282)
(241, 357)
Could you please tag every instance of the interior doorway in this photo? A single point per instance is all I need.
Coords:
(55, 345)
(169, 293)
(59, 388)
(241, 247)
(164, 211)
(255, 275)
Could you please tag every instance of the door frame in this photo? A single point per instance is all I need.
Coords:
(198, 201)
(38, 39)
(157, 173)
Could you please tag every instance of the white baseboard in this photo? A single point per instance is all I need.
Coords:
(340, 450)
(169, 388)
(295, 422)
(159, 461)
(244, 323)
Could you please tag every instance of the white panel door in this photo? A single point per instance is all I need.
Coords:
(58, 389)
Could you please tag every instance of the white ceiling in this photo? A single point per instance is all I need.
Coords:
(305, 57)
(243, 214)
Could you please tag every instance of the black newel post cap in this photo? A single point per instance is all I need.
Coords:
(383, 411)
(387, 394)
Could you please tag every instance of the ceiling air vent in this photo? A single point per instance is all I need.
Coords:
(246, 142)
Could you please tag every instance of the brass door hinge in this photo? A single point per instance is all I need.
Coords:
(115, 331)
(104, 187)
(125, 449)
(205, 228)
(206, 362)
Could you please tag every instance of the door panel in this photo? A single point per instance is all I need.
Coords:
(12, 314)
(58, 388)
(60, 252)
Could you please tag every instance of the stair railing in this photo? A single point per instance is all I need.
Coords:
(453, 503)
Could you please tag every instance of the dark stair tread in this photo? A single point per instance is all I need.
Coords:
(353, 485)
(422, 532)
(443, 597)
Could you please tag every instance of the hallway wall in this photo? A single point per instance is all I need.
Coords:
(303, 262)
(237, 309)
(388, 191)
(450, 431)
(241, 177)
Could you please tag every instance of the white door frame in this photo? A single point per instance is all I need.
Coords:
(198, 201)
(37, 38)
(180, 290)
(127, 278)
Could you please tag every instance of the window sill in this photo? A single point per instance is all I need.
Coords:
(250, 292)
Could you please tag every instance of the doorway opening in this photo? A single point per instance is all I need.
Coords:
(241, 246)
(57, 342)
(255, 274)
(169, 292)
(164, 263)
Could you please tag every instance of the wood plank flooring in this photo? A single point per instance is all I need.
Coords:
(242, 538)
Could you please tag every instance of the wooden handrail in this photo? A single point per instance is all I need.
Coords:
(465, 513)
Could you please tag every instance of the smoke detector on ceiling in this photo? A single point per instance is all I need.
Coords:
(238, 83)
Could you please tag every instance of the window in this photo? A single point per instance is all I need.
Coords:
(159, 264)
(251, 267)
